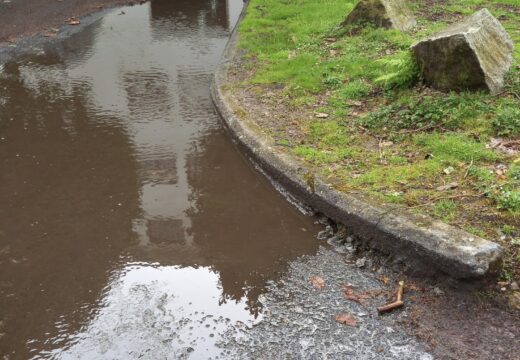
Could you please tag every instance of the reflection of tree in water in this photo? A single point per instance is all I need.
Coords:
(194, 97)
(148, 93)
(183, 17)
(159, 170)
(69, 193)
(245, 233)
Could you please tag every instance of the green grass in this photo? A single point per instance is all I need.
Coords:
(454, 148)
(445, 209)
(386, 134)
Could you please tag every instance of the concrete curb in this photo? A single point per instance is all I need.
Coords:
(418, 240)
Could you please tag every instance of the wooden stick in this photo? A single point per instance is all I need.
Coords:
(397, 303)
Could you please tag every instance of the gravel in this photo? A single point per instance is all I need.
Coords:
(298, 321)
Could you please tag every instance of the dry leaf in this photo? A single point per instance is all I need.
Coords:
(350, 294)
(317, 282)
(321, 115)
(347, 319)
(72, 21)
(51, 33)
(414, 287)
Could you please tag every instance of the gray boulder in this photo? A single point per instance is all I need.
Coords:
(389, 14)
(474, 54)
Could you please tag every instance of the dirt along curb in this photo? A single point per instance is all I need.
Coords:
(420, 241)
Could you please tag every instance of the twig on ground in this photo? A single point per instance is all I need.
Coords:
(397, 303)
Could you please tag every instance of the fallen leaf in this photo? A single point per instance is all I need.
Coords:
(351, 294)
(321, 115)
(414, 287)
(449, 186)
(51, 33)
(317, 282)
(448, 170)
(347, 319)
(72, 21)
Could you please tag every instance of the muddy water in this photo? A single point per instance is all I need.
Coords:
(130, 226)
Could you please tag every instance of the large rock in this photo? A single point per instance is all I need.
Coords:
(382, 13)
(474, 54)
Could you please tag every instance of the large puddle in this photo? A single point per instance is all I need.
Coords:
(130, 226)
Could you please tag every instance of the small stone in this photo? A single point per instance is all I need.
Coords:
(515, 286)
(474, 54)
(437, 291)
(361, 262)
(323, 235)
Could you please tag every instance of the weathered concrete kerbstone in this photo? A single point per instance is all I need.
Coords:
(389, 14)
(425, 243)
(474, 54)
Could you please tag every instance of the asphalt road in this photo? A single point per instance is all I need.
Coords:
(20, 18)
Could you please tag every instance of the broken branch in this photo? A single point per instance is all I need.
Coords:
(397, 303)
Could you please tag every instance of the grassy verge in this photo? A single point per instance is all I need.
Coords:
(350, 103)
